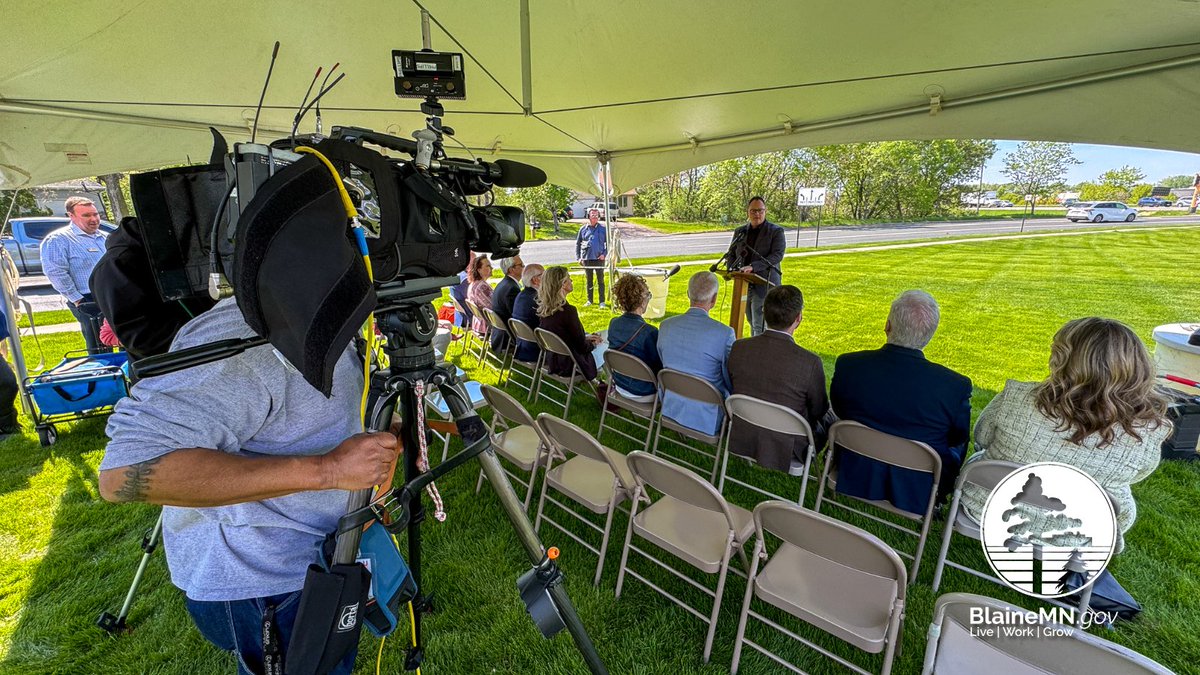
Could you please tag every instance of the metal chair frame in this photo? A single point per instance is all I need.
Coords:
(633, 368)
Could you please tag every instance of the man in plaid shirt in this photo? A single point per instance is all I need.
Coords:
(68, 256)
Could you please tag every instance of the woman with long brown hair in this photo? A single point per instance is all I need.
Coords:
(1098, 411)
(480, 291)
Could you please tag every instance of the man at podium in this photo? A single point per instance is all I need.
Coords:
(757, 248)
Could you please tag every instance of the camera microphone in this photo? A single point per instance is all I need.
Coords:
(516, 174)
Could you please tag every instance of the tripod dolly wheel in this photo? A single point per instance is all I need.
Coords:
(110, 623)
(47, 435)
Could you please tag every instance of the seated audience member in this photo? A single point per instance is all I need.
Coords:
(696, 344)
(560, 317)
(772, 367)
(894, 389)
(1097, 411)
(480, 291)
(629, 333)
(9, 421)
(504, 296)
(525, 309)
(459, 293)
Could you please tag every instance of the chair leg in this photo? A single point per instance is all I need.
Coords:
(893, 637)
(603, 414)
(537, 522)
(479, 485)
(804, 478)
(612, 511)
(741, 629)
(947, 534)
(570, 392)
(716, 610)
(532, 477)
(650, 426)
(724, 467)
(1085, 601)
(628, 539)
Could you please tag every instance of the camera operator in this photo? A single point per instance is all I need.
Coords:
(252, 465)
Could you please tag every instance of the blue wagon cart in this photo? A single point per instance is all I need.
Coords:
(79, 387)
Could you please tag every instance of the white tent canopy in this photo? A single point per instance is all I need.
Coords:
(96, 86)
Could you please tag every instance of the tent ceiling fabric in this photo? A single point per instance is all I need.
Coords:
(92, 87)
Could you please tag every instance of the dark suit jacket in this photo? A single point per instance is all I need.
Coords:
(770, 244)
(525, 309)
(503, 297)
(565, 324)
(772, 367)
(897, 391)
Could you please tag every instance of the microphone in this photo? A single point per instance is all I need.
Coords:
(516, 174)
(672, 272)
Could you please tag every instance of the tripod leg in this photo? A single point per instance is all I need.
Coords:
(473, 429)
(112, 623)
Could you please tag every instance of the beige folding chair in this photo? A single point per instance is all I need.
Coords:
(889, 449)
(528, 370)
(829, 574)
(552, 344)
(465, 333)
(986, 474)
(516, 437)
(691, 521)
(697, 390)
(594, 476)
(484, 339)
(957, 646)
(498, 360)
(742, 409)
(436, 407)
(620, 363)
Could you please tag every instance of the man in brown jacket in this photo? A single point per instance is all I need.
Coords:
(772, 367)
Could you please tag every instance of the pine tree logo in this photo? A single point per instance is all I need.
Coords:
(1045, 524)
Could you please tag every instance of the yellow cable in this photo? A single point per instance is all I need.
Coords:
(412, 624)
(379, 656)
(337, 179)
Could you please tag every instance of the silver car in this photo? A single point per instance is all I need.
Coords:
(1098, 212)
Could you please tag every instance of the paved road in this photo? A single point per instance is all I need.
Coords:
(554, 252)
(563, 251)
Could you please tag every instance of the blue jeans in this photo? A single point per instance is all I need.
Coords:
(756, 312)
(236, 626)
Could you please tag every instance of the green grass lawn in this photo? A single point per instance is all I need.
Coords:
(67, 555)
(48, 318)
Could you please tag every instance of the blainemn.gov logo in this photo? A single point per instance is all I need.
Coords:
(1048, 530)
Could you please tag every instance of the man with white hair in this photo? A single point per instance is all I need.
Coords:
(504, 295)
(894, 389)
(699, 345)
(525, 309)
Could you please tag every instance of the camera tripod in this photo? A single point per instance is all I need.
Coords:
(408, 323)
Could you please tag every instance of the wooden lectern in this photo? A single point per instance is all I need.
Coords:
(741, 290)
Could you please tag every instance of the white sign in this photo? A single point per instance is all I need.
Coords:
(810, 196)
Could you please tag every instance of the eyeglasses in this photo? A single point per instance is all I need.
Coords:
(758, 210)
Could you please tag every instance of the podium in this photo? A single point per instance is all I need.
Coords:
(741, 289)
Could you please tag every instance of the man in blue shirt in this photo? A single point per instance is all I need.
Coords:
(591, 247)
(68, 256)
(696, 344)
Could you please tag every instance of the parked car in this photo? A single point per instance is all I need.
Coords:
(998, 204)
(23, 239)
(1098, 212)
(1070, 201)
(1155, 201)
(599, 206)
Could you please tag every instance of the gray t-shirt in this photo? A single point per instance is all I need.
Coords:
(249, 405)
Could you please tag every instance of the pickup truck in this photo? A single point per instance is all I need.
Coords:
(23, 239)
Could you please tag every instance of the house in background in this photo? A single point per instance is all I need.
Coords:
(583, 200)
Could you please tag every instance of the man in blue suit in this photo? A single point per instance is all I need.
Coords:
(696, 344)
(894, 389)
(505, 296)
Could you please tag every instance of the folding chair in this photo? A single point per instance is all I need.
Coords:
(953, 646)
(500, 361)
(552, 344)
(484, 339)
(829, 574)
(464, 332)
(893, 450)
(528, 370)
(691, 521)
(742, 409)
(620, 363)
(516, 437)
(700, 391)
(595, 477)
(985, 474)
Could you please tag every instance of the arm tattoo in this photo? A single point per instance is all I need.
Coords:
(137, 480)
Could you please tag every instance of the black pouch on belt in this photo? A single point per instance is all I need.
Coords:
(329, 619)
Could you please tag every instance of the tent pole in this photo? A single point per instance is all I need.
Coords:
(526, 62)
(610, 269)
(18, 354)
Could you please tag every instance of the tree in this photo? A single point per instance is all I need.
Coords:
(1039, 523)
(1038, 167)
(26, 204)
(1179, 181)
(542, 203)
(1119, 183)
(118, 206)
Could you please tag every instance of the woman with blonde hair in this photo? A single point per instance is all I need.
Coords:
(1097, 411)
(480, 291)
(560, 317)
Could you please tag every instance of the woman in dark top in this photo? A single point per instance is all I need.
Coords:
(629, 333)
(558, 316)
